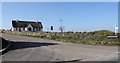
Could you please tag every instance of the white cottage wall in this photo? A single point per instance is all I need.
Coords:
(21, 29)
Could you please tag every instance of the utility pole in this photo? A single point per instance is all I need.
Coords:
(61, 27)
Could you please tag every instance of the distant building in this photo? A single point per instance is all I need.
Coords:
(18, 25)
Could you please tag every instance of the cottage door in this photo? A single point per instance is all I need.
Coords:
(29, 29)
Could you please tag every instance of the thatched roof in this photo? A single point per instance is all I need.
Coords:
(18, 23)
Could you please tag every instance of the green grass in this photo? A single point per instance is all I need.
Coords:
(98, 38)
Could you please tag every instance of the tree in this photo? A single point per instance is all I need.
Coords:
(51, 28)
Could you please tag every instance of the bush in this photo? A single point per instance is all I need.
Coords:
(89, 38)
(43, 36)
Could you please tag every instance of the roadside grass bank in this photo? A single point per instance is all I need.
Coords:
(98, 38)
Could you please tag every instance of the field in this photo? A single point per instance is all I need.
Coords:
(89, 38)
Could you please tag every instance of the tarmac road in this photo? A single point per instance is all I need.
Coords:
(36, 49)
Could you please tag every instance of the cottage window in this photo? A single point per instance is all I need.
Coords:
(23, 29)
(39, 29)
(36, 29)
(16, 29)
(19, 29)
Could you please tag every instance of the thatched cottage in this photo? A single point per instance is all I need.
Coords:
(33, 26)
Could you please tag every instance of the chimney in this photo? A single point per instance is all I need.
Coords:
(17, 20)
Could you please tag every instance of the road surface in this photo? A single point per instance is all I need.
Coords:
(36, 49)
